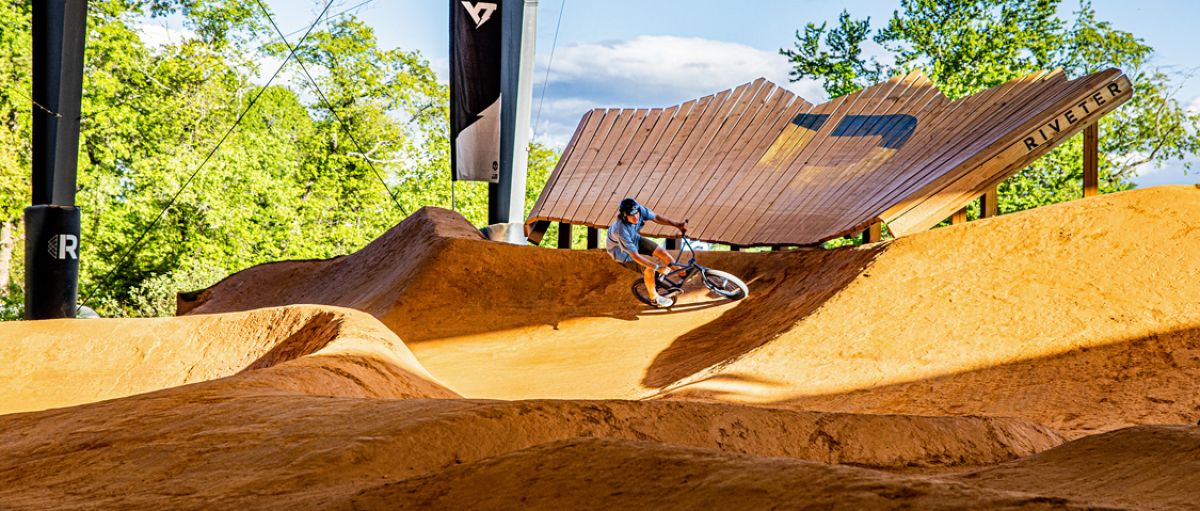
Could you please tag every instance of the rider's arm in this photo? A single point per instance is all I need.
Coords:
(659, 219)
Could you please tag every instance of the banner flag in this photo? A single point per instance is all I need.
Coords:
(475, 31)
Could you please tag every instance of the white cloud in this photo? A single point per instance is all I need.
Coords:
(647, 71)
(662, 66)
(1193, 107)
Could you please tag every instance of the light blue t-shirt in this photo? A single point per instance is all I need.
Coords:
(623, 237)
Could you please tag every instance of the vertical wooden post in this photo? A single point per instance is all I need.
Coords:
(959, 217)
(593, 238)
(672, 243)
(735, 248)
(874, 233)
(1091, 160)
(564, 235)
(987, 203)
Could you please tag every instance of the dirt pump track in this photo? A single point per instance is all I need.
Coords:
(1038, 360)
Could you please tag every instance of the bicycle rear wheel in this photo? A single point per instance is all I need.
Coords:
(725, 285)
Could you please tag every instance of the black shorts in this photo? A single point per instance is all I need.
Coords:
(646, 247)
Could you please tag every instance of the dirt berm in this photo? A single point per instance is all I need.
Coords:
(1082, 316)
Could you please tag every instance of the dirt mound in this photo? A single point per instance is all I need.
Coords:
(67, 362)
(606, 474)
(939, 317)
(363, 280)
(1084, 391)
(221, 443)
(1146, 467)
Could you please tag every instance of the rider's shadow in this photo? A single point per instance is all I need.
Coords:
(784, 289)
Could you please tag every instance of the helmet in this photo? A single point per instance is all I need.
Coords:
(628, 206)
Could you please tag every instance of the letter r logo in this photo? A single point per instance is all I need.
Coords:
(63, 245)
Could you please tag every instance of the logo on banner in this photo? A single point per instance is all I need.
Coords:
(62, 245)
(480, 11)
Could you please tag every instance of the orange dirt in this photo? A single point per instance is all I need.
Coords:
(1074, 316)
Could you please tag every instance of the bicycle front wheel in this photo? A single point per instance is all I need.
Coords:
(725, 285)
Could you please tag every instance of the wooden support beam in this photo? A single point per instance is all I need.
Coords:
(538, 231)
(672, 243)
(874, 233)
(593, 238)
(564, 235)
(959, 217)
(1091, 160)
(735, 248)
(987, 203)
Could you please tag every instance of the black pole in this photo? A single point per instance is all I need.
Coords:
(52, 222)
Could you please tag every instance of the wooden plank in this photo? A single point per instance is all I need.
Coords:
(568, 182)
(821, 155)
(851, 180)
(651, 180)
(671, 198)
(990, 123)
(1013, 158)
(848, 211)
(682, 169)
(601, 210)
(725, 195)
(582, 136)
(789, 144)
(996, 170)
(1091, 160)
(947, 137)
(959, 217)
(1030, 113)
(673, 135)
(605, 168)
(712, 165)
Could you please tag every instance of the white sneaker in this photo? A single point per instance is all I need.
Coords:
(663, 301)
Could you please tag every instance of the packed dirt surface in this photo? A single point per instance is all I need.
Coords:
(57, 363)
(435, 369)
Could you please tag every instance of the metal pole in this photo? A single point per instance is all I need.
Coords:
(506, 199)
(52, 222)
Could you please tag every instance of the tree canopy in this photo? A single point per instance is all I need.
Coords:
(317, 168)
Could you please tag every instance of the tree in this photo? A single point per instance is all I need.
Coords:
(966, 46)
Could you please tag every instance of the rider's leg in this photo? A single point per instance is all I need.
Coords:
(648, 279)
(665, 257)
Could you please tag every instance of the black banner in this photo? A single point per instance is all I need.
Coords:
(475, 90)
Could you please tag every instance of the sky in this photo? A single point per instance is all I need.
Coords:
(648, 53)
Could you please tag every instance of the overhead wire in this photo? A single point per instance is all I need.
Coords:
(133, 247)
(332, 110)
(561, 7)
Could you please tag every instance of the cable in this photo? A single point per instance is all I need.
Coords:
(330, 17)
(562, 7)
(329, 105)
(136, 244)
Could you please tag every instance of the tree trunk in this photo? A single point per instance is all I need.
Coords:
(7, 242)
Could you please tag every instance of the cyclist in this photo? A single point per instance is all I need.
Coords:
(627, 246)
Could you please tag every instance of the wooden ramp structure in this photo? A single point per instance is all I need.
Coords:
(758, 165)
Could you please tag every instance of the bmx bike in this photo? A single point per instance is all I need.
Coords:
(669, 285)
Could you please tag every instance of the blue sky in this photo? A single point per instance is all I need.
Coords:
(659, 52)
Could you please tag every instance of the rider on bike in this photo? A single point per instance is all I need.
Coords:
(627, 246)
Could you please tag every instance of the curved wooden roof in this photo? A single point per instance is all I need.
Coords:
(758, 165)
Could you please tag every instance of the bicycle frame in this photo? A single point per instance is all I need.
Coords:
(687, 270)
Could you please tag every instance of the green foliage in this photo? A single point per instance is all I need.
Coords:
(292, 181)
(966, 46)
